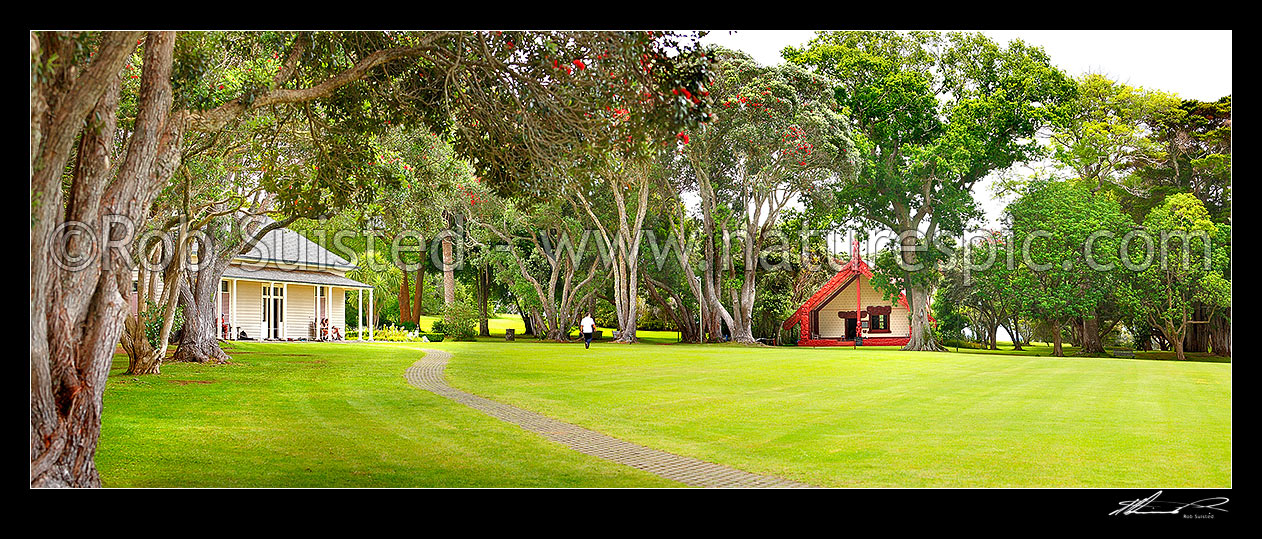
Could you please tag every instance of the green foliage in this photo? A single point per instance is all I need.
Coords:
(951, 321)
(1052, 224)
(1196, 158)
(393, 333)
(459, 321)
(934, 114)
(153, 316)
(1107, 132)
(1188, 266)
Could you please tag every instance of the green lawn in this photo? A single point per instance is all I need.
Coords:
(881, 417)
(342, 415)
(335, 415)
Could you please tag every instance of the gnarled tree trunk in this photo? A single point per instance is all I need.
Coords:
(200, 340)
(77, 313)
(484, 296)
(921, 338)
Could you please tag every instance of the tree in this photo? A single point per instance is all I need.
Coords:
(358, 106)
(777, 137)
(432, 186)
(345, 84)
(548, 264)
(934, 114)
(1184, 267)
(986, 283)
(77, 311)
(1196, 157)
(1107, 132)
(1069, 262)
(615, 177)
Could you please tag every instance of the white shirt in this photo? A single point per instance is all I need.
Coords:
(588, 324)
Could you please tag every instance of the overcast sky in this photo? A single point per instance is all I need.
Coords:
(1193, 64)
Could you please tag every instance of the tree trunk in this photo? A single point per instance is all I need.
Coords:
(405, 299)
(200, 341)
(1178, 348)
(418, 308)
(1057, 349)
(1175, 337)
(449, 275)
(1091, 345)
(484, 293)
(1075, 331)
(994, 336)
(76, 317)
(684, 320)
(922, 338)
(1143, 341)
(1220, 333)
(1015, 331)
(1198, 335)
(525, 317)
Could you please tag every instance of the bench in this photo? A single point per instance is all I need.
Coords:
(1123, 353)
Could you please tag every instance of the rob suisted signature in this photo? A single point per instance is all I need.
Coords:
(1152, 506)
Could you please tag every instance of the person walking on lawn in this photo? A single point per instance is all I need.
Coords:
(588, 326)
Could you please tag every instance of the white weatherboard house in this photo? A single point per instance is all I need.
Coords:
(288, 288)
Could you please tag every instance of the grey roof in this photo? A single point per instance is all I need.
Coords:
(284, 246)
(291, 276)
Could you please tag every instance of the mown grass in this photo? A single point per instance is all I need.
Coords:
(327, 415)
(298, 414)
(882, 417)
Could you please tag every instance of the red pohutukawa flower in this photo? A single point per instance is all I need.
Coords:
(580, 64)
(683, 136)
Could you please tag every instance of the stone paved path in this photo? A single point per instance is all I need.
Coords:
(427, 374)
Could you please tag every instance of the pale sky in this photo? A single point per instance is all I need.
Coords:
(1194, 64)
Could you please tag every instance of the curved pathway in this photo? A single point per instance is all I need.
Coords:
(427, 374)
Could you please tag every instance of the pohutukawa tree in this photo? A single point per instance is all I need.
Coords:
(192, 219)
(777, 137)
(505, 93)
(351, 91)
(435, 185)
(935, 113)
(615, 196)
(78, 277)
(548, 246)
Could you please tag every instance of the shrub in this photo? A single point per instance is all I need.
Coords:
(154, 321)
(393, 333)
(459, 321)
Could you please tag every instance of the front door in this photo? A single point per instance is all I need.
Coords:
(850, 328)
(273, 311)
